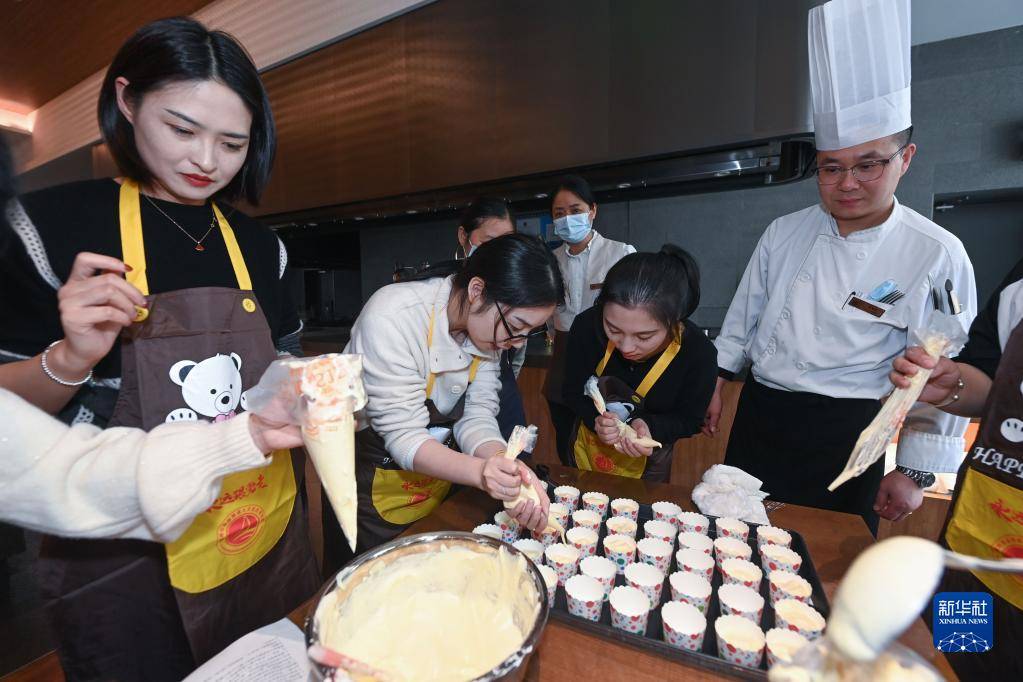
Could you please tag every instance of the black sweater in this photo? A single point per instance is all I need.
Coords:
(673, 408)
(84, 216)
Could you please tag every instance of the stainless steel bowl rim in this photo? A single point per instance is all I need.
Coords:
(508, 665)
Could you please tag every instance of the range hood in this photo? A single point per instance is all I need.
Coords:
(494, 97)
(769, 163)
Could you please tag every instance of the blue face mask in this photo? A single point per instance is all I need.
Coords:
(572, 228)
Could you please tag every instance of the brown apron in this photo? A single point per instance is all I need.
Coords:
(592, 454)
(391, 498)
(130, 610)
(987, 518)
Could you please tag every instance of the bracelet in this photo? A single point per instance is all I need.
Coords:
(49, 372)
(957, 392)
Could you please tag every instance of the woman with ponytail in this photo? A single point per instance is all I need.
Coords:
(656, 370)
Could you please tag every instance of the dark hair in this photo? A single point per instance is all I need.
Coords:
(181, 49)
(577, 186)
(903, 137)
(483, 209)
(667, 283)
(519, 271)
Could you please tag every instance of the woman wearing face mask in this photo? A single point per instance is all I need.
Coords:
(204, 309)
(430, 352)
(584, 258)
(657, 370)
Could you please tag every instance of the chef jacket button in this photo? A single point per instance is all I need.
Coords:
(801, 365)
(861, 255)
(785, 314)
(805, 277)
(816, 330)
(457, 390)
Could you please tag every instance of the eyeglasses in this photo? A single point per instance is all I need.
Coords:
(868, 171)
(540, 331)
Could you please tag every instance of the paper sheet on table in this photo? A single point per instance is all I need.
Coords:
(274, 653)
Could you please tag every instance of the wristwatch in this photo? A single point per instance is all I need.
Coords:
(923, 479)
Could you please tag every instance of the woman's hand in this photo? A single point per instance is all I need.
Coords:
(630, 447)
(531, 515)
(940, 385)
(95, 304)
(606, 428)
(270, 435)
(501, 478)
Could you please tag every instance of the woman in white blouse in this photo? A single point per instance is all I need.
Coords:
(430, 352)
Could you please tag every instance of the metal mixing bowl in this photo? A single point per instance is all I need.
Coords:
(512, 668)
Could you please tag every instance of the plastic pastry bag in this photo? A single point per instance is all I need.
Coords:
(942, 335)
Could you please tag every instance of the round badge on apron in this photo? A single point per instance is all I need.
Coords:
(591, 453)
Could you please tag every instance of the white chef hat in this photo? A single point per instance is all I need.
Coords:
(859, 70)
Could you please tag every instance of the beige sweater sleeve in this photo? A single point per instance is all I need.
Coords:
(81, 481)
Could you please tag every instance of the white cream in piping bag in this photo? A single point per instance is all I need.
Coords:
(886, 587)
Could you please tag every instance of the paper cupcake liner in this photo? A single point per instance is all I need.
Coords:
(666, 534)
(754, 616)
(668, 514)
(567, 496)
(596, 507)
(630, 531)
(663, 563)
(652, 592)
(737, 655)
(730, 579)
(707, 573)
(628, 511)
(743, 657)
(548, 537)
(691, 522)
(778, 593)
(810, 633)
(635, 624)
(679, 640)
(770, 565)
(741, 536)
(584, 608)
(552, 589)
(705, 544)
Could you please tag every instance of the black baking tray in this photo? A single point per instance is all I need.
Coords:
(707, 658)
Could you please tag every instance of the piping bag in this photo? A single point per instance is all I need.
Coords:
(624, 430)
(942, 335)
(524, 438)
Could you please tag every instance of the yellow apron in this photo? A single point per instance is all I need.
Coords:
(254, 507)
(402, 497)
(592, 454)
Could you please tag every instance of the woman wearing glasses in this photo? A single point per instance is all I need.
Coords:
(584, 258)
(430, 352)
(824, 307)
(656, 369)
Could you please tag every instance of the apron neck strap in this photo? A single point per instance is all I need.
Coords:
(667, 355)
(431, 377)
(134, 251)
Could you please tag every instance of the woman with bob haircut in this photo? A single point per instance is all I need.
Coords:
(198, 294)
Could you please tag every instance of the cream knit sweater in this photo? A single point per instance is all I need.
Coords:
(81, 481)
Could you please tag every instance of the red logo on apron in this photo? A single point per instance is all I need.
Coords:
(1011, 546)
(604, 463)
(239, 529)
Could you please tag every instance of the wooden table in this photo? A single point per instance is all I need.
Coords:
(565, 652)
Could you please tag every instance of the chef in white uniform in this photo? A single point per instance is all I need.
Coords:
(584, 257)
(831, 292)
